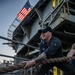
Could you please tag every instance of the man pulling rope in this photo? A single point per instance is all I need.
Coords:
(50, 47)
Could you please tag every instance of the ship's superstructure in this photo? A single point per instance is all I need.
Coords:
(59, 14)
(61, 19)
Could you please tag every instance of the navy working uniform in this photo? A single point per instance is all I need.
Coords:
(53, 50)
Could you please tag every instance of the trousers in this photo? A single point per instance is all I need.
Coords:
(66, 67)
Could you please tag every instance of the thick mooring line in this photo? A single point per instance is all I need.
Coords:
(21, 65)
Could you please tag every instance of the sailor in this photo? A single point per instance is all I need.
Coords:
(50, 47)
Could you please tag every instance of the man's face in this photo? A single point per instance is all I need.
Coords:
(46, 35)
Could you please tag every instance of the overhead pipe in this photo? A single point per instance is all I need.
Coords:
(4, 38)
(14, 57)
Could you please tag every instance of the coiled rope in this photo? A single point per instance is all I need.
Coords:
(21, 65)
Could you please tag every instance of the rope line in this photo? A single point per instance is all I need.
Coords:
(21, 65)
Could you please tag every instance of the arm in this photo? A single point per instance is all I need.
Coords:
(49, 51)
(41, 57)
(72, 52)
(33, 62)
(73, 46)
(53, 48)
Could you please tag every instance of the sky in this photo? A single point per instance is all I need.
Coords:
(8, 12)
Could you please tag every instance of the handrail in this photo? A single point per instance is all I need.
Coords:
(14, 57)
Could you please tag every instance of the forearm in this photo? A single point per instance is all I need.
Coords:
(73, 49)
(72, 52)
(41, 57)
(73, 46)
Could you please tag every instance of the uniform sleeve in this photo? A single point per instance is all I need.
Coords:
(73, 46)
(52, 49)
